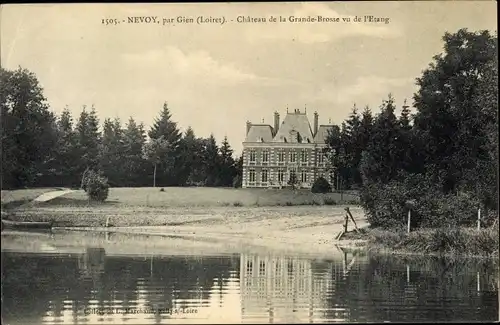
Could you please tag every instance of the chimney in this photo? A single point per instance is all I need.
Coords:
(276, 122)
(248, 126)
(315, 123)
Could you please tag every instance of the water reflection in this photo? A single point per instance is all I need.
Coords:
(92, 287)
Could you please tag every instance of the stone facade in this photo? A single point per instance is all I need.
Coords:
(272, 154)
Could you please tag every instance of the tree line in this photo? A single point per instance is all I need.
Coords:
(40, 148)
(440, 161)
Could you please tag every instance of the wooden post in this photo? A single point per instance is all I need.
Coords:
(151, 266)
(345, 222)
(409, 219)
(154, 177)
(352, 218)
(478, 283)
(479, 219)
(344, 263)
(407, 273)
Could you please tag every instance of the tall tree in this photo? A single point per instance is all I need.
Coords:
(156, 152)
(238, 166)
(189, 151)
(134, 139)
(164, 127)
(211, 161)
(88, 140)
(448, 118)
(366, 127)
(227, 170)
(66, 151)
(112, 152)
(380, 159)
(408, 146)
(28, 129)
(353, 139)
(335, 151)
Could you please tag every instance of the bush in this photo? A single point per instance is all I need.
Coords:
(387, 206)
(96, 186)
(321, 185)
(329, 201)
(237, 181)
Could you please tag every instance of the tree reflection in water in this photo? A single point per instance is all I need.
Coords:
(357, 287)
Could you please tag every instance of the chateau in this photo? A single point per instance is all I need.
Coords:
(271, 154)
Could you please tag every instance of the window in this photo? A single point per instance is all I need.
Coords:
(252, 155)
(262, 268)
(321, 157)
(303, 176)
(252, 175)
(281, 156)
(281, 175)
(265, 156)
(290, 268)
(264, 176)
(292, 172)
(249, 267)
(303, 156)
(293, 156)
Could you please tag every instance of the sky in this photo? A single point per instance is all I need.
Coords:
(215, 76)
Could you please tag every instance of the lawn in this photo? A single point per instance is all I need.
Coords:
(13, 198)
(210, 197)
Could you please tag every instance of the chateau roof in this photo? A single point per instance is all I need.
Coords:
(322, 133)
(259, 133)
(294, 123)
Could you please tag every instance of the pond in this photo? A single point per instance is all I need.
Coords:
(91, 284)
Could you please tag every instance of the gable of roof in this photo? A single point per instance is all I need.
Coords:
(322, 133)
(259, 133)
(292, 124)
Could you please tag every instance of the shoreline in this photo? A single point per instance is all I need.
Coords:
(311, 228)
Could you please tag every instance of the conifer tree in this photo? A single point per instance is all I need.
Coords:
(168, 171)
(67, 151)
(134, 139)
(227, 169)
(211, 161)
(380, 160)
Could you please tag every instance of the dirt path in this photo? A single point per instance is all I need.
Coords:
(51, 195)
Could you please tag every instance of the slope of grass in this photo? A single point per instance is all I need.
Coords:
(205, 196)
(438, 241)
(15, 198)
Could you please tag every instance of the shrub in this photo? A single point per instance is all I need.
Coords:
(321, 185)
(387, 206)
(162, 189)
(237, 204)
(237, 181)
(329, 201)
(293, 181)
(96, 186)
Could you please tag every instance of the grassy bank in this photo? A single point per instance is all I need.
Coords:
(15, 198)
(440, 241)
(206, 197)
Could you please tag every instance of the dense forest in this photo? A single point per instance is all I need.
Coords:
(42, 149)
(441, 160)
